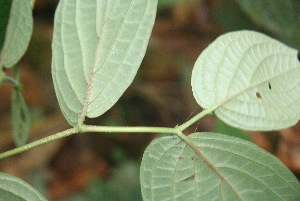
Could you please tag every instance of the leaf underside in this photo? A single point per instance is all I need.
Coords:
(251, 79)
(228, 169)
(12, 188)
(18, 33)
(97, 49)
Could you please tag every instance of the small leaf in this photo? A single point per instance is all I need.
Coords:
(12, 188)
(20, 118)
(97, 49)
(18, 33)
(226, 169)
(251, 79)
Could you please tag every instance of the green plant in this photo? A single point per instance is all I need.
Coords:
(277, 17)
(246, 78)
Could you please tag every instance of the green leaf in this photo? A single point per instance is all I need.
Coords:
(230, 16)
(4, 16)
(223, 128)
(225, 168)
(12, 188)
(280, 17)
(97, 49)
(18, 33)
(32, 2)
(20, 118)
(250, 79)
(167, 3)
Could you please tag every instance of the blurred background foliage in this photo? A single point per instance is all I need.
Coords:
(106, 166)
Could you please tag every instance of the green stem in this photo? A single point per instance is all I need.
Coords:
(38, 143)
(3, 77)
(109, 129)
(15, 83)
(187, 124)
(86, 129)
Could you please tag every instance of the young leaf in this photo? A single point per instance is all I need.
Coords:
(18, 33)
(12, 188)
(225, 168)
(251, 79)
(97, 49)
(20, 118)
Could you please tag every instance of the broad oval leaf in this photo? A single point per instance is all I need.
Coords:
(18, 33)
(251, 79)
(226, 168)
(13, 188)
(97, 49)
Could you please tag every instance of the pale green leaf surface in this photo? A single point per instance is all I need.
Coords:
(251, 79)
(13, 188)
(97, 49)
(18, 33)
(228, 169)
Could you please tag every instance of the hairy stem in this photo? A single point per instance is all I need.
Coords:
(86, 129)
(109, 129)
(38, 143)
(193, 120)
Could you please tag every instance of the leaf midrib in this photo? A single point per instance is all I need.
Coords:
(93, 70)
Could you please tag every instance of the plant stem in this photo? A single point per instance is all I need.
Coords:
(110, 129)
(187, 124)
(38, 143)
(86, 129)
(15, 82)
(3, 77)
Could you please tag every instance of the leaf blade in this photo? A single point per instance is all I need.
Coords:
(251, 79)
(13, 188)
(105, 54)
(171, 170)
(18, 33)
(20, 118)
